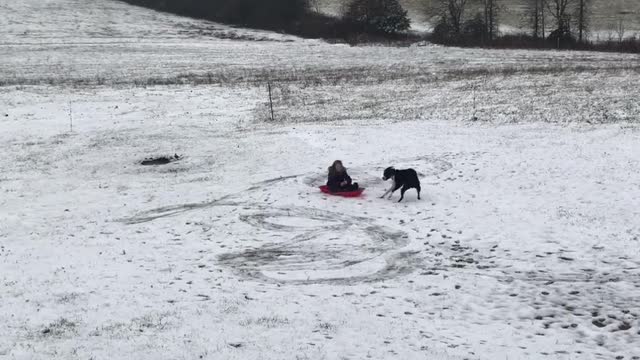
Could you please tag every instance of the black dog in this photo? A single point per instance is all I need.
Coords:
(405, 179)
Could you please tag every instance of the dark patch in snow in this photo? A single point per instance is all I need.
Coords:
(160, 160)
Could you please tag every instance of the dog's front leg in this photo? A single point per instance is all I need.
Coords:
(391, 189)
(386, 192)
(390, 195)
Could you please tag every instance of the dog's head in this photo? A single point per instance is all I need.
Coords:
(388, 173)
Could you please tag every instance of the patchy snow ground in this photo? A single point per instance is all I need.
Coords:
(525, 244)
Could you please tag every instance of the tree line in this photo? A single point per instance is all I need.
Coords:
(552, 23)
(561, 22)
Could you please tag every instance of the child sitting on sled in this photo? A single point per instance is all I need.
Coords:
(339, 180)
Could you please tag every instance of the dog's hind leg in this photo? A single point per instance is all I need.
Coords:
(418, 189)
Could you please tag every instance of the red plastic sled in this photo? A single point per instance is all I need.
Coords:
(355, 193)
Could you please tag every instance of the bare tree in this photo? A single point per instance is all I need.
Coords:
(491, 11)
(620, 30)
(543, 19)
(450, 12)
(559, 10)
(455, 9)
(535, 18)
(582, 16)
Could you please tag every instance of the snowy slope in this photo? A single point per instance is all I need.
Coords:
(525, 245)
(104, 42)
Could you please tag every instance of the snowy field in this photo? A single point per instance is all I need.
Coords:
(524, 246)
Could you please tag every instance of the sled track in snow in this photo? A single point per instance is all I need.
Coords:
(435, 166)
(328, 248)
(173, 210)
(321, 246)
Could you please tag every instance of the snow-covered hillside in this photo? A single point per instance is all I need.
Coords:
(105, 42)
(524, 246)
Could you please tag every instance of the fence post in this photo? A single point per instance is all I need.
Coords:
(70, 118)
(270, 100)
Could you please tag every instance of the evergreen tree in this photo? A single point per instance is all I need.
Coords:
(384, 16)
